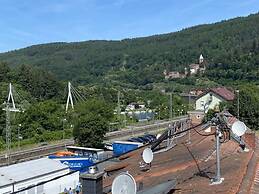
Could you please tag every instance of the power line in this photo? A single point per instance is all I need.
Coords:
(157, 142)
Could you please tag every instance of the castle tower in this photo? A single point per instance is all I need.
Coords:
(201, 59)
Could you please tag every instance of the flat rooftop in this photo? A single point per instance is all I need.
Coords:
(27, 170)
(191, 165)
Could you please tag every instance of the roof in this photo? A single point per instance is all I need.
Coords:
(84, 148)
(28, 170)
(224, 93)
(194, 65)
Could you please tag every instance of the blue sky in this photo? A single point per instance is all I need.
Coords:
(28, 22)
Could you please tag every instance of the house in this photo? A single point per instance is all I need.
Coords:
(133, 106)
(174, 74)
(194, 68)
(200, 67)
(211, 98)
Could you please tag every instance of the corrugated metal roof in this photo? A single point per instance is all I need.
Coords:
(27, 170)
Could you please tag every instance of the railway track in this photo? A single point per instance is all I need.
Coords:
(136, 130)
(42, 151)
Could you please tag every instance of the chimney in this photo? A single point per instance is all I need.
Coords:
(92, 183)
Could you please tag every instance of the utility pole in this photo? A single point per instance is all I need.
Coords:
(118, 105)
(8, 110)
(63, 125)
(237, 91)
(189, 101)
(218, 179)
(170, 107)
(8, 134)
(19, 136)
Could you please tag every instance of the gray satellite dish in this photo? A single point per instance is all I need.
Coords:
(238, 128)
(147, 155)
(124, 183)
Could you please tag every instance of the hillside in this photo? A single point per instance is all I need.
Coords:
(230, 47)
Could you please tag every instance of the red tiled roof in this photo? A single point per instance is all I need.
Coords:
(224, 93)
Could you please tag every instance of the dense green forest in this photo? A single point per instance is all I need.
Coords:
(231, 49)
(41, 99)
(133, 67)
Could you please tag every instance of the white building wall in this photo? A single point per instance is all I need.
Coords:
(216, 100)
(53, 187)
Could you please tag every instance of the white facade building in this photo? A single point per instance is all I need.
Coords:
(22, 175)
(212, 98)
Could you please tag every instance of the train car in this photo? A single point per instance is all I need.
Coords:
(92, 153)
(73, 161)
(121, 147)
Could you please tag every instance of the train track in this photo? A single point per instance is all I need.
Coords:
(38, 152)
(136, 130)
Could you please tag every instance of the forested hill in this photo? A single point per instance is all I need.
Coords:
(231, 47)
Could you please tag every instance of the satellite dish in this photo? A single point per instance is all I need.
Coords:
(147, 155)
(238, 128)
(124, 183)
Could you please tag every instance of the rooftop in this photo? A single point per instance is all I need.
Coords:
(224, 93)
(27, 170)
(191, 165)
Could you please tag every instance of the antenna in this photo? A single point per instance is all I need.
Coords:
(238, 128)
(124, 183)
(147, 155)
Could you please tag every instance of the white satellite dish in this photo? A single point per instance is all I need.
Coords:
(147, 155)
(158, 135)
(124, 183)
(238, 128)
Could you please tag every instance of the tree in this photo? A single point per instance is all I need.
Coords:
(4, 72)
(248, 105)
(41, 84)
(40, 117)
(92, 122)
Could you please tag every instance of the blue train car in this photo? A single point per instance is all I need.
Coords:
(80, 163)
(121, 147)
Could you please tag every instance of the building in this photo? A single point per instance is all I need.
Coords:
(200, 67)
(194, 68)
(134, 106)
(174, 74)
(211, 98)
(22, 175)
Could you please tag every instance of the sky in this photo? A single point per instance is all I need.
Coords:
(28, 22)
